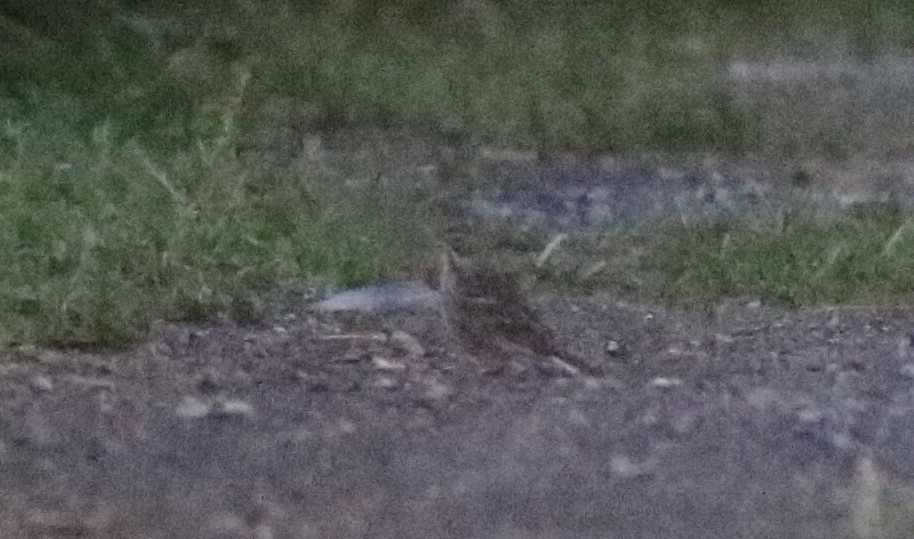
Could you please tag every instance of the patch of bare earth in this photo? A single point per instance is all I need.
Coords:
(750, 424)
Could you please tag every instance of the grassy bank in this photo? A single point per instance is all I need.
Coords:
(127, 195)
(99, 237)
(855, 260)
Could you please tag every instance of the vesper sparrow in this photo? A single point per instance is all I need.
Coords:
(487, 314)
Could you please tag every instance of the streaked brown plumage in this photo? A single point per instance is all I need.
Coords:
(486, 313)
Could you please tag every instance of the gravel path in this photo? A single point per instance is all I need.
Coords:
(765, 424)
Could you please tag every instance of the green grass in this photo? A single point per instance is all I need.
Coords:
(128, 194)
(802, 265)
(860, 258)
(626, 76)
(99, 239)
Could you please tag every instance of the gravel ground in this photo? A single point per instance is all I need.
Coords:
(759, 424)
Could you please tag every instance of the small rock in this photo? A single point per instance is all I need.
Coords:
(235, 407)
(664, 382)
(406, 343)
(383, 297)
(352, 355)
(192, 408)
(384, 364)
(41, 383)
(386, 382)
(623, 466)
(614, 348)
(436, 390)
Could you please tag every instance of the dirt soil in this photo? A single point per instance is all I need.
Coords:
(750, 423)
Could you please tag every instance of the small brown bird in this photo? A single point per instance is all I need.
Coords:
(486, 313)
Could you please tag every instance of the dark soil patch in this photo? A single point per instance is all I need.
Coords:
(753, 425)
